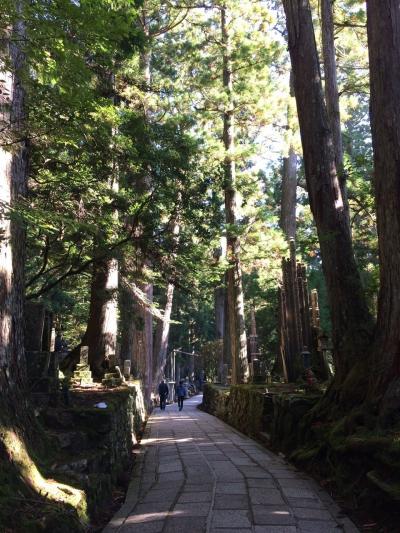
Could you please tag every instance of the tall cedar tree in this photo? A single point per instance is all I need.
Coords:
(384, 54)
(234, 289)
(351, 322)
(13, 184)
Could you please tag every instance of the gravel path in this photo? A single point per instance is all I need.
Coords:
(196, 474)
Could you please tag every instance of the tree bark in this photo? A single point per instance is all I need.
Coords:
(101, 333)
(384, 56)
(139, 333)
(331, 89)
(288, 202)
(163, 326)
(14, 407)
(351, 322)
(235, 297)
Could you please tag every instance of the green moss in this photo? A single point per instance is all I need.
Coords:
(29, 501)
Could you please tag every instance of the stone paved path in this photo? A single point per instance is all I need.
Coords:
(196, 474)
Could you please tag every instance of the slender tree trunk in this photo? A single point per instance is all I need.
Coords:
(288, 202)
(238, 342)
(384, 55)
(331, 89)
(219, 311)
(162, 335)
(351, 322)
(163, 326)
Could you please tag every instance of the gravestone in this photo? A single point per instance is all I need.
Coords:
(82, 376)
(127, 368)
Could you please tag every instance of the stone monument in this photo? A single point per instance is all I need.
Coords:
(82, 376)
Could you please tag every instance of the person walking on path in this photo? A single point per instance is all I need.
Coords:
(181, 393)
(163, 392)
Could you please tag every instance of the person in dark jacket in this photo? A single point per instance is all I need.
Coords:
(163, 391)
(181, 393)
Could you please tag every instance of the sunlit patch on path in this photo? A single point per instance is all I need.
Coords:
(196, 474)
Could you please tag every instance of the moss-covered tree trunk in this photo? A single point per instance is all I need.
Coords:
(384, 55)
(351, 322)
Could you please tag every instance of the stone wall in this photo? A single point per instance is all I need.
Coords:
(94, 445)
(354, 458)
(268, 416)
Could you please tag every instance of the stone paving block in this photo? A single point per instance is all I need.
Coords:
(151, 527)
(165, 484)
(202, 487)
(293, 483)
(159, 496)
(185, 525)
(299, 493)
(268, 483)
(168, 459)
(173, 466)
(148, 477)
(273, 515)
(229, 477)
(149, 508)
(230, 530)
(308, 526)
(138, 518)
(284, 474)
(253, 472)
(187, 497)
(231, 519)
(191, 509)
(245, 461)
(231, 488)
(312, 514)
(216, 457)
(306, 502)
(231, 501)
(171, 476)
(275, 529)
(265, 497)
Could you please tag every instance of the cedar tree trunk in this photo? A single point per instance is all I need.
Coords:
(101, 333)
(237, 338)
(288, 202)
(351, 322)
(384, 55)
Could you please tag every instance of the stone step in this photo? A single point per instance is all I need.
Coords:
(74, 441)
(89, 463)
